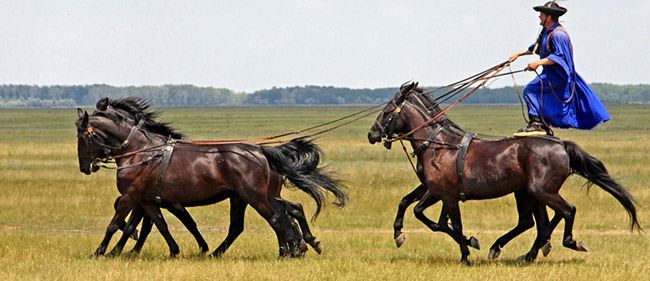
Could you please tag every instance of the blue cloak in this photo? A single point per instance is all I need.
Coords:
(558, 81)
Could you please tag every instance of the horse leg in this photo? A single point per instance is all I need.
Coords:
(134, 220)
(154, 213)
(237, 210)
(452, 209)
(425, 202)
(147, 223)
(567, 211)
(296, 211)
(181, 213)
(274, 219)
(413, 196)
(525, 209)
(125, 205)
(122, 225)
(543, 238)
(291, 233)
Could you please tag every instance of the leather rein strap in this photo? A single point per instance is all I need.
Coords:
(167, 156)
(460, 162)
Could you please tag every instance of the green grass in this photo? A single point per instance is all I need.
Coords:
(52, 217)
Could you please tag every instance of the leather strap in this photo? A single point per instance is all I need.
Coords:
(460, 161)
(163, 168)
(549, 46)
(426, 143)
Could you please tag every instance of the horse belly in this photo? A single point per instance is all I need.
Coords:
(493, 180)
(192, 180)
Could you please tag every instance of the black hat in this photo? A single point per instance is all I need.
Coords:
(551, 8)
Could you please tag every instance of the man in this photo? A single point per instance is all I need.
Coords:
(558, 97)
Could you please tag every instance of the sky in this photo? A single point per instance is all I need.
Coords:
(249, 45)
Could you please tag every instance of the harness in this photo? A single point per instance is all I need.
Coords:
(167, 156)
(462, 147)
(549, 46)
(427, 142)
(460, 162)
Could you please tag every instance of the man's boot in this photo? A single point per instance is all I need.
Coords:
(535, 128)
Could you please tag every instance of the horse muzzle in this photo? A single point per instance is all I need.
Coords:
(374, 137)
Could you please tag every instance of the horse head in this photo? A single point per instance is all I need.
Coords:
(98, 138)
(389, 122)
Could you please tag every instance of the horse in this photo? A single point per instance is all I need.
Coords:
(526, 210)
(132, 106)
(197, 175)
(460, 168)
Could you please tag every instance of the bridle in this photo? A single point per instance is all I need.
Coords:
(109, 149)
(388, 127)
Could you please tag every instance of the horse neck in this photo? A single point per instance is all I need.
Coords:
(417, 116)
(139, 141)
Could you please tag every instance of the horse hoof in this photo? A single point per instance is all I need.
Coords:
(318, 247)
(303, 246)
(581, 247)
(546, 248)
(494, 253)
(473, 242)
(399, 240)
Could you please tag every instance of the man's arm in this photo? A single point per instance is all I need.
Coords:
(533, 65)
(524, 52)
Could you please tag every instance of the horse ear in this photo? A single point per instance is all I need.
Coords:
(102, 104)
(83, 117)
(405, 86)
(408, 87)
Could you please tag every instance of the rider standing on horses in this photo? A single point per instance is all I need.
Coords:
(558, 97)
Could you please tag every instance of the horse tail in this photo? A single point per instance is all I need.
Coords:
(593, 170)
(298, 160)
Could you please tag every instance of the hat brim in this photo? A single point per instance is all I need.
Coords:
(550, 11)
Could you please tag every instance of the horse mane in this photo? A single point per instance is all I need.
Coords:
(139, 109)
(433, 107)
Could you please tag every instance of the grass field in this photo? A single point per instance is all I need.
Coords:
(52, 217)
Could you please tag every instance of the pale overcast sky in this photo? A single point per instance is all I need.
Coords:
(248, 45)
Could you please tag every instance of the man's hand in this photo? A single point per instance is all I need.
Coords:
(533, 65)
(513, 57)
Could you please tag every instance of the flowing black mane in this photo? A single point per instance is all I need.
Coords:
(138, 109)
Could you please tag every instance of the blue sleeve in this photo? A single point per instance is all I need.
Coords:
(531, 47)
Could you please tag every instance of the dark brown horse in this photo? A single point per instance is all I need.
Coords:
(196, 175)
(526, 210)
(135, 108)
(454, 167)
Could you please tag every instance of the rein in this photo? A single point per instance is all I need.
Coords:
(484, 76)
(369, 111)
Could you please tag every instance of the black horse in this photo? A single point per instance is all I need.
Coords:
(135, 108)
(196, 175)
(462, 168)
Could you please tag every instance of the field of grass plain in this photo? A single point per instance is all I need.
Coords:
(52, 217)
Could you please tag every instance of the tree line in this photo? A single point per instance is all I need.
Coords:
(189, 95)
